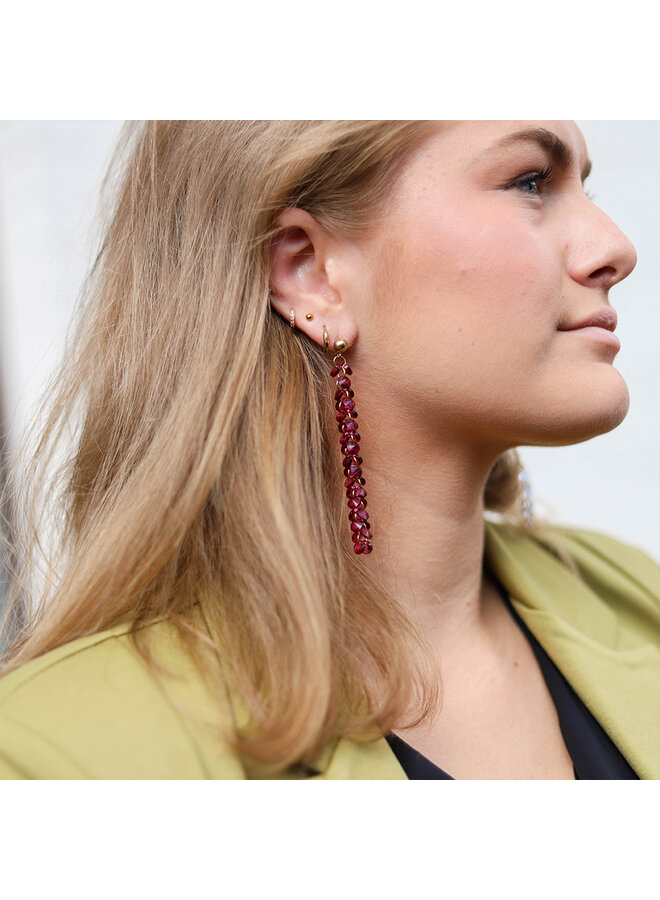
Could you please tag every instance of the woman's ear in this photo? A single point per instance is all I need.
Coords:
(302, 262)
(297, 256)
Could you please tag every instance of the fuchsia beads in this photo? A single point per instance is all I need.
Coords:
(350, 447)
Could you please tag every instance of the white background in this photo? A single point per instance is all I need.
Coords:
(50, 172)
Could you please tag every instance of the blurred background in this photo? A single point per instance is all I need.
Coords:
(50, 174)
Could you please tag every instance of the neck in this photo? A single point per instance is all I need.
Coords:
(426, 514)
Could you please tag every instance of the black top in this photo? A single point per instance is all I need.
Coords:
(593, 753)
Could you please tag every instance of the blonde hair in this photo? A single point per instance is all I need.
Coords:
(204, 472)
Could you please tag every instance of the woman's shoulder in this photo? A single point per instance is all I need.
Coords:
(585, 579)
(600, 545)
(593, 603)
(615, 569)
(605, 561)
(92, 708)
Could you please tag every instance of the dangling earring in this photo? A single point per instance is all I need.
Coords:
(526, 497)
(346, 415)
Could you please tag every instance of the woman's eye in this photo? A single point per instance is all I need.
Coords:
(529, 183)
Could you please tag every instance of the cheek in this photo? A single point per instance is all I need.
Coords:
(485, 252)
(479, 283)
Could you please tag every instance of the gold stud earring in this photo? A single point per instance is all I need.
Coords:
(309, 316)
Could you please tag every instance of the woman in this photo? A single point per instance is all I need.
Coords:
(217, 610)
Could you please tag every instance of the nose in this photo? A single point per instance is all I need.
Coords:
(602, 255)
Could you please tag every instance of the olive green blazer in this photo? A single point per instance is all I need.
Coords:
(92, 710)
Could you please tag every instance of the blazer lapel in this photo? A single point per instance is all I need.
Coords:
(352, 760)
(614, 670)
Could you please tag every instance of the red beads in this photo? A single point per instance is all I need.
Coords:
(350, 448)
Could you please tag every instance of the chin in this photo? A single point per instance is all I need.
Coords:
(583, 417)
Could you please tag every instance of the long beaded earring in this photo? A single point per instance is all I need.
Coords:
(346, 415)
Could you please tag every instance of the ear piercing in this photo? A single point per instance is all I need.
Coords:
(292, 318)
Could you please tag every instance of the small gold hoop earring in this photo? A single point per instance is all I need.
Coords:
(326, 341)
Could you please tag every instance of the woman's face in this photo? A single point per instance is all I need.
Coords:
(475, 274)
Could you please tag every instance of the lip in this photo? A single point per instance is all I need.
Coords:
(605, 318)
(597, 332)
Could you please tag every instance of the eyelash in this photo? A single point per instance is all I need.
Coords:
(542, 177)
(530, 178)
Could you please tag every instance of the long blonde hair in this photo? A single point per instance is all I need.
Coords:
(203, 470)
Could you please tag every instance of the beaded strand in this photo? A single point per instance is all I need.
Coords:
(350, 448)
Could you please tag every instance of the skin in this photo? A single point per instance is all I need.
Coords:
(451, 307)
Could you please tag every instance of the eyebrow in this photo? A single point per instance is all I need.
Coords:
(559, 152)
